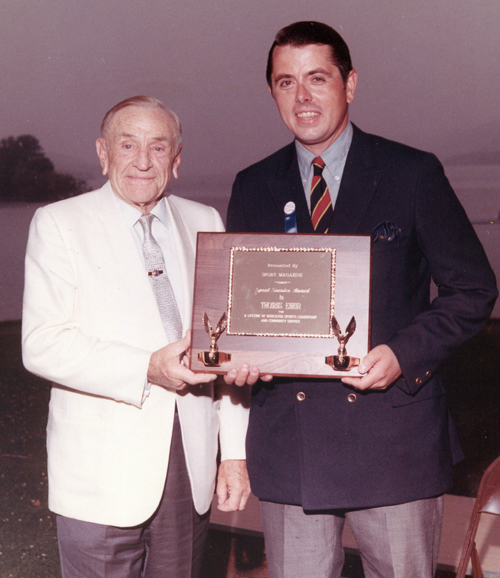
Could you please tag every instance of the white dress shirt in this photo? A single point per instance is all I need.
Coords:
(162, 232)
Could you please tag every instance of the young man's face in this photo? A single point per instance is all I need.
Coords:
(310, 94)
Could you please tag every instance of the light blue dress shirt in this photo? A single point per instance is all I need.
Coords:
(334, 157)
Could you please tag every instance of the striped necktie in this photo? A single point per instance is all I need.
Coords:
(321, 203)
(155, 265)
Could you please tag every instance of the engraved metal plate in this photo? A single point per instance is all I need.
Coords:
(279, 292)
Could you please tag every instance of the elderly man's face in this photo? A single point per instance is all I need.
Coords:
(138, 154)
(310, 93)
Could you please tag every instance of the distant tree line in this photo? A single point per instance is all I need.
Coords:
(26, 174)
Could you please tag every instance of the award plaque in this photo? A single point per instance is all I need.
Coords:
(285, 303)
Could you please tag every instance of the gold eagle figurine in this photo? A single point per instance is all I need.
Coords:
(343, 338)
(214, 335)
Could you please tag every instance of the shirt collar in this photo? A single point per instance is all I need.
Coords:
(335, 153)
(132, 215)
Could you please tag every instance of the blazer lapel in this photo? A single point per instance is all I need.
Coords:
(359, 182)
(288, 187)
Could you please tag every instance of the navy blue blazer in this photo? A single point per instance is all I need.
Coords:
(386, 447)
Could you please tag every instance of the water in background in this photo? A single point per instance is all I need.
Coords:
(477, 187)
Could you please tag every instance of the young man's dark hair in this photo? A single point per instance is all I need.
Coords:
(303, 33)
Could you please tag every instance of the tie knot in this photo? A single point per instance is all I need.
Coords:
(318, 165)
(146, 222)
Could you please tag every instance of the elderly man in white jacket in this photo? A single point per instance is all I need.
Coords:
(132, 432)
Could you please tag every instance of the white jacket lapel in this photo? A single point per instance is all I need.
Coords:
(123, 250)
(186, 249)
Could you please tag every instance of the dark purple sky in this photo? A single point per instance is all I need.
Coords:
(429, 75)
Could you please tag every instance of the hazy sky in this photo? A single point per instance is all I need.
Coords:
(429, 74)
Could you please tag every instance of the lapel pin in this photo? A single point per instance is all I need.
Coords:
(290, 218)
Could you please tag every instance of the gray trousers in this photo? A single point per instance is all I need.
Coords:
(394, 541)
(169, 544)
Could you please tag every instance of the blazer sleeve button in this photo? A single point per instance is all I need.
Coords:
(428, 373)
(301, 396)
(351, 398)
(418, 381)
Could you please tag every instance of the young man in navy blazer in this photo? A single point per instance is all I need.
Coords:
(376, 448)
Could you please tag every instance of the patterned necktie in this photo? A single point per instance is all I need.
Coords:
(321, 203)
(155, 265)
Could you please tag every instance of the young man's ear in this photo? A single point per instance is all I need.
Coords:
(350, 85)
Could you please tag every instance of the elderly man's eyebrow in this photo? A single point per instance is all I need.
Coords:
(156, 138)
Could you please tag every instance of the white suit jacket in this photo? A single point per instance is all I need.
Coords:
(90, 325)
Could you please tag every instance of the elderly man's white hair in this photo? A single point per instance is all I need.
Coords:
(144, 102)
